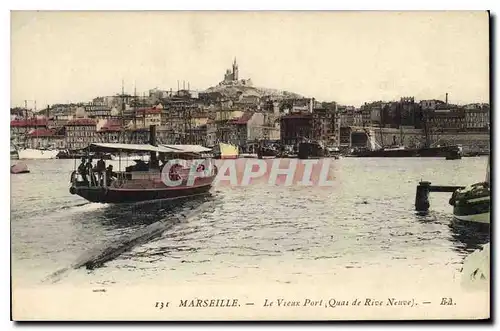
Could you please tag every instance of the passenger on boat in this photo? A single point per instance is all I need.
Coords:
(110, 175)
(90, 168)
(100, 168)
(82, 170)
(163, 161)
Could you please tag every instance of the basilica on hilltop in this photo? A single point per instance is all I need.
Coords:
(231, 77)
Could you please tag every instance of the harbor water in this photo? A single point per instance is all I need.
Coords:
(291, 235)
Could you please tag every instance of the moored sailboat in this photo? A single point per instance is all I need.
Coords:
(31, 153)
(472, 203)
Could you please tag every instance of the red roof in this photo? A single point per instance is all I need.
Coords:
(111, 125)
(81, 121)
(148, 111)
(29, 122)
(243, 119)
(42, 133)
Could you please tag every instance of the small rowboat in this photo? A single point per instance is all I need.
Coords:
(19, 168)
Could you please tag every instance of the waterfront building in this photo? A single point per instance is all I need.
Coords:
(109, 131)
(357, 118)
(80, 132)
(324, 125)
(223, 115)
(346, 115)
(294, 127)
(432, 104)
(45, 138)
(211, 138)
(98, 109)
(442, 120)
(197, 135)
(136, 136)
(248, 128)
(20, 128)
(477, 117)
(145, 117)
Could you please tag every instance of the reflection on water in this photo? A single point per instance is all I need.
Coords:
(469, 236)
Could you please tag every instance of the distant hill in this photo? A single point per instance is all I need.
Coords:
(231, 91)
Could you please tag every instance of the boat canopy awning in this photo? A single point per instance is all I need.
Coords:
(188, 148)
(112, 148)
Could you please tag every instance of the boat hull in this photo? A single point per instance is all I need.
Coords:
(421, 152)
(33, 154)
(112, 195)
(19, 168)
(483, 218)
(266, 153)
(473, 210)
(310, 151)
(472, 204)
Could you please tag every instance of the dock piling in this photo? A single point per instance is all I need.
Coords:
(422, 197)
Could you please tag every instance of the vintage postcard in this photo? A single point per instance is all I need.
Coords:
(189, 166)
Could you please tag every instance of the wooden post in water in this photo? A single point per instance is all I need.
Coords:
(152, 135)
(422, 196)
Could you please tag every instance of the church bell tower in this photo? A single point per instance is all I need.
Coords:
(235, 70)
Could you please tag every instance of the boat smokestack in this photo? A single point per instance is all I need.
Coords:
(152, 135)
(446, 100)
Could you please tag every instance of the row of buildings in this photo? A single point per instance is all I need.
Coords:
(243, 118)
(184, 120)
(432, 114)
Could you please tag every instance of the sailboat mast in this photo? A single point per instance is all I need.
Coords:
(122, 110)
(144, 113)
(37, 141)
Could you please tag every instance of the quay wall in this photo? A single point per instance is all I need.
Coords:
(470, 141)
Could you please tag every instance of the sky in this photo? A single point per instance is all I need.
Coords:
(348, 57)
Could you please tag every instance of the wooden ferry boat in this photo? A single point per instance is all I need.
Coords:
(145, 181)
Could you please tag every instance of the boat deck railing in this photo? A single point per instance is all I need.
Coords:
(98, 179)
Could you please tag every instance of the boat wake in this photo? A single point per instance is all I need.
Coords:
(89, 206)
(98, 256)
